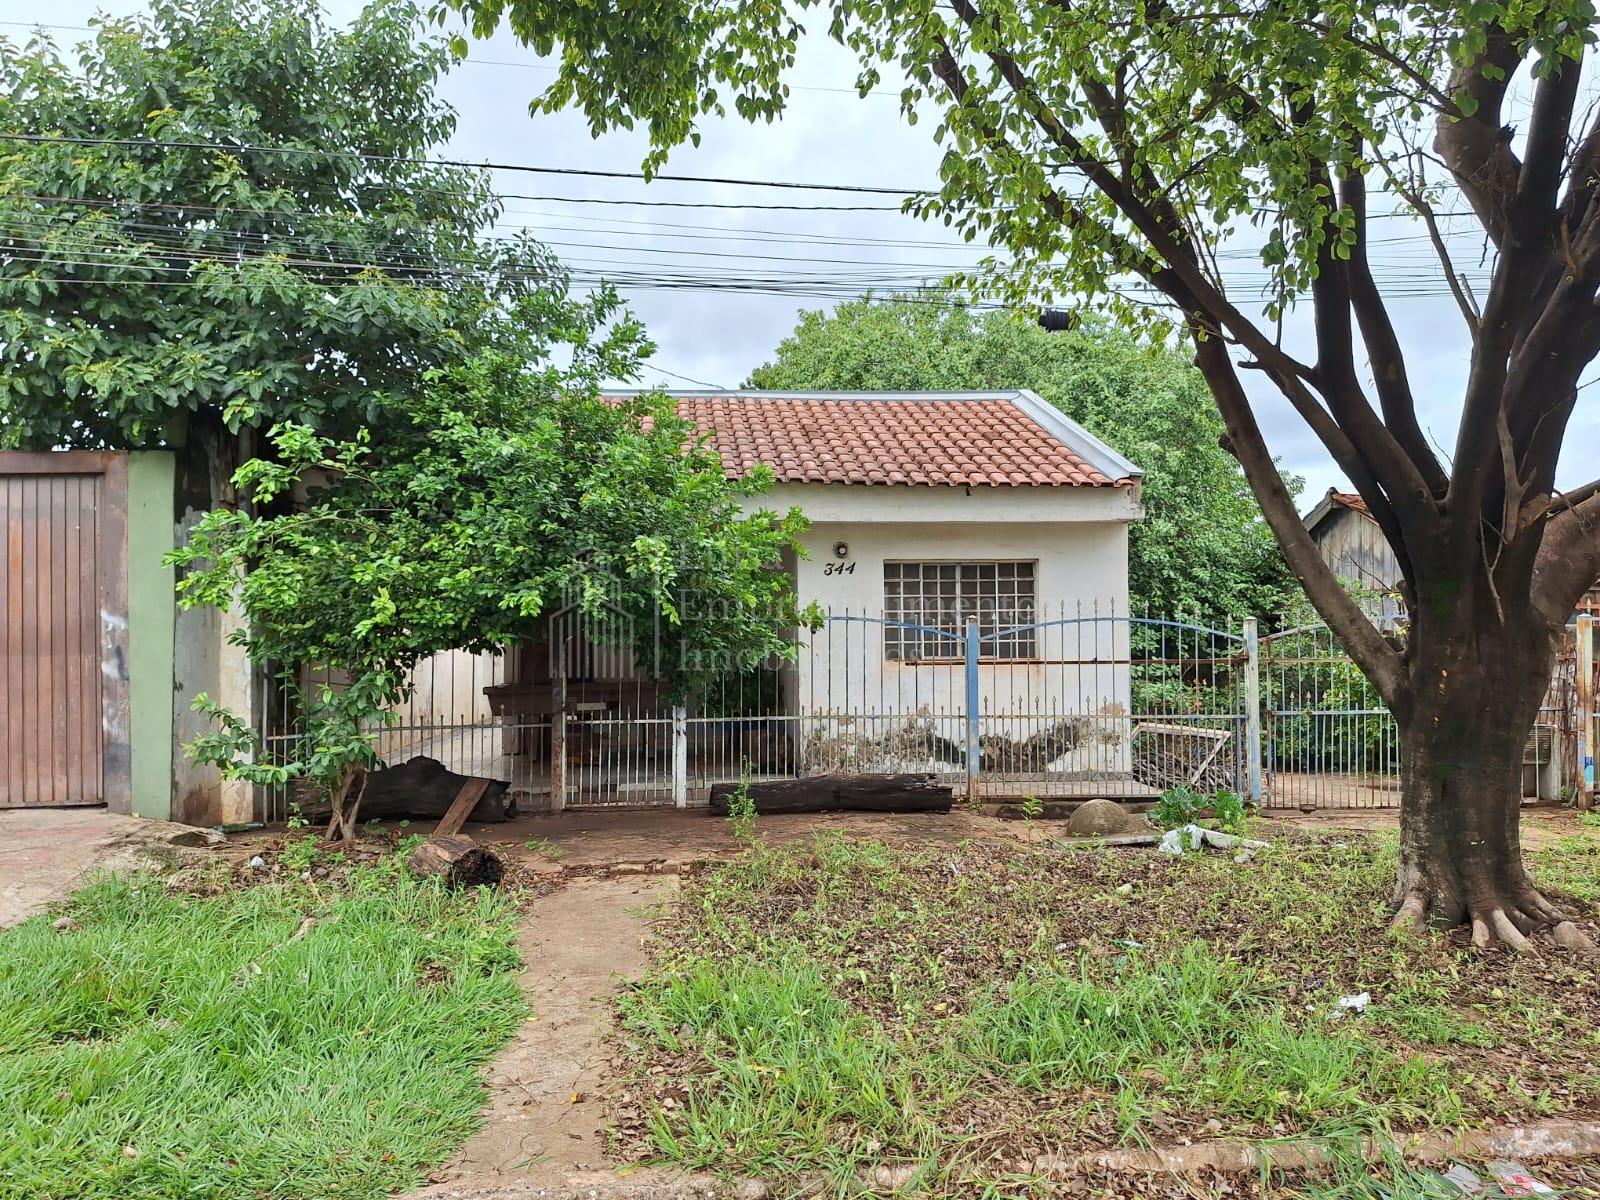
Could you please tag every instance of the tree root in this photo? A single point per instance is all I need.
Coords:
(1512, 923)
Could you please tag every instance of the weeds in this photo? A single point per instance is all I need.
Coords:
(1177, 806)
(545, 847)
(821, 1008)
(742, 807)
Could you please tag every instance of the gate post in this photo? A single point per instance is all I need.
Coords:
(1252, 707)
(1586, 711)
(558, 734)
(680, 756)
(972, 710)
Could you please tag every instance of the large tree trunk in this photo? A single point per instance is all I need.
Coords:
(1473, 702)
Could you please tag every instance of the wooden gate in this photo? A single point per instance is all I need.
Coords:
(63, 630)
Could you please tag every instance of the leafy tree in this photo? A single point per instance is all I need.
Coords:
(165, 282)
(504, 488)
(1202, 546)
(1111, 150)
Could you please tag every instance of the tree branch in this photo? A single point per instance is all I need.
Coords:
(1379, 660)
(1161, 225)
(1383, 346)
(1569, 560)
(1475, 148)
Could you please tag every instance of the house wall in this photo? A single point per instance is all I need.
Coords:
(1354, 546)
(1078, 539)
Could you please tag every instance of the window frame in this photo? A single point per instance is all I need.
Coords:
(965, 603)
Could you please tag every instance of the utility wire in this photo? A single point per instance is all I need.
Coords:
(527, 168)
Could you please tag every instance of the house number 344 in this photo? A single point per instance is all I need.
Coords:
(839, 568)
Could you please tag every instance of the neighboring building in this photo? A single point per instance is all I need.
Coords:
(1352, 544)
(98, 666)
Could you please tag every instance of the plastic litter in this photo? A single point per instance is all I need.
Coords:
(1192, 837)
(1464, 1180)
(1514, 1180)
(1357, 1003)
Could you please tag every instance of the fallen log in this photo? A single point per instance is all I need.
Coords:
(839, 793)
(458, 860)
(423, 787)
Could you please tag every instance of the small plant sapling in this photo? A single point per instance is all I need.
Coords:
(742, 807)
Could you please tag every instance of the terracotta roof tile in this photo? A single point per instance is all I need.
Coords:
(1350, 500)
(965, 441)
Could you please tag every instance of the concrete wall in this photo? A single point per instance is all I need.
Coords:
(151, 609)
(205, 660)
(1078, 539)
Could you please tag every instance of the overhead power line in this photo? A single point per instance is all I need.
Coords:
(526, 168)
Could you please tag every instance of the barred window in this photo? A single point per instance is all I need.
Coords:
(943, 595)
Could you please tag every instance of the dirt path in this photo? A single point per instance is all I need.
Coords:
(544, 1118)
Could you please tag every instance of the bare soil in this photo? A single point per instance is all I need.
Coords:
(545, 1120)
(45, 853)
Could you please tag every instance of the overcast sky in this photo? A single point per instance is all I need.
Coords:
(829, 135)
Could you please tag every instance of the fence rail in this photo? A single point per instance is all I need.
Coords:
(1064, 705)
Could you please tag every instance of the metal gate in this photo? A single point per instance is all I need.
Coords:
(1328, 739)
(63, 630)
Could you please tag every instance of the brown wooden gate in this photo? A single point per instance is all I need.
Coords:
(63, 630)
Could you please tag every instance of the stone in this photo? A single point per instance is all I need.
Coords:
(1094, 818)
(196, 837)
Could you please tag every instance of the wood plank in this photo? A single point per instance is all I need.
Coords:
(461, 807)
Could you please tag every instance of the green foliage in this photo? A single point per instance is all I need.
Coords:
(144, 289)
(1202, 546)
(181, 1046)
(1227, 119)
(1032, 808)
(742, 807)
(1228, 811)
(1177, 806)
(499, 490)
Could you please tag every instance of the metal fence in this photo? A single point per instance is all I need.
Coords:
(1066, 704)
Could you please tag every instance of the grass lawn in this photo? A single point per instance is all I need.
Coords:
(823, 1007)
(178, 1045)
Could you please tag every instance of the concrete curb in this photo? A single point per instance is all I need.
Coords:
(1540, 1140)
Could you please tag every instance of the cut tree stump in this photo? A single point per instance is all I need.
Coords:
(835, 793)
(458, 860)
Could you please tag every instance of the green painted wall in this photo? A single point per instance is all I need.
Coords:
(151, 611)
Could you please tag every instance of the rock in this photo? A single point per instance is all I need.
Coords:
(1094, 818)
(751, 1189)
(257, 863)
(196, 837)
(65, 924)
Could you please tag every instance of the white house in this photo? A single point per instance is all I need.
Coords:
(929, 510)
